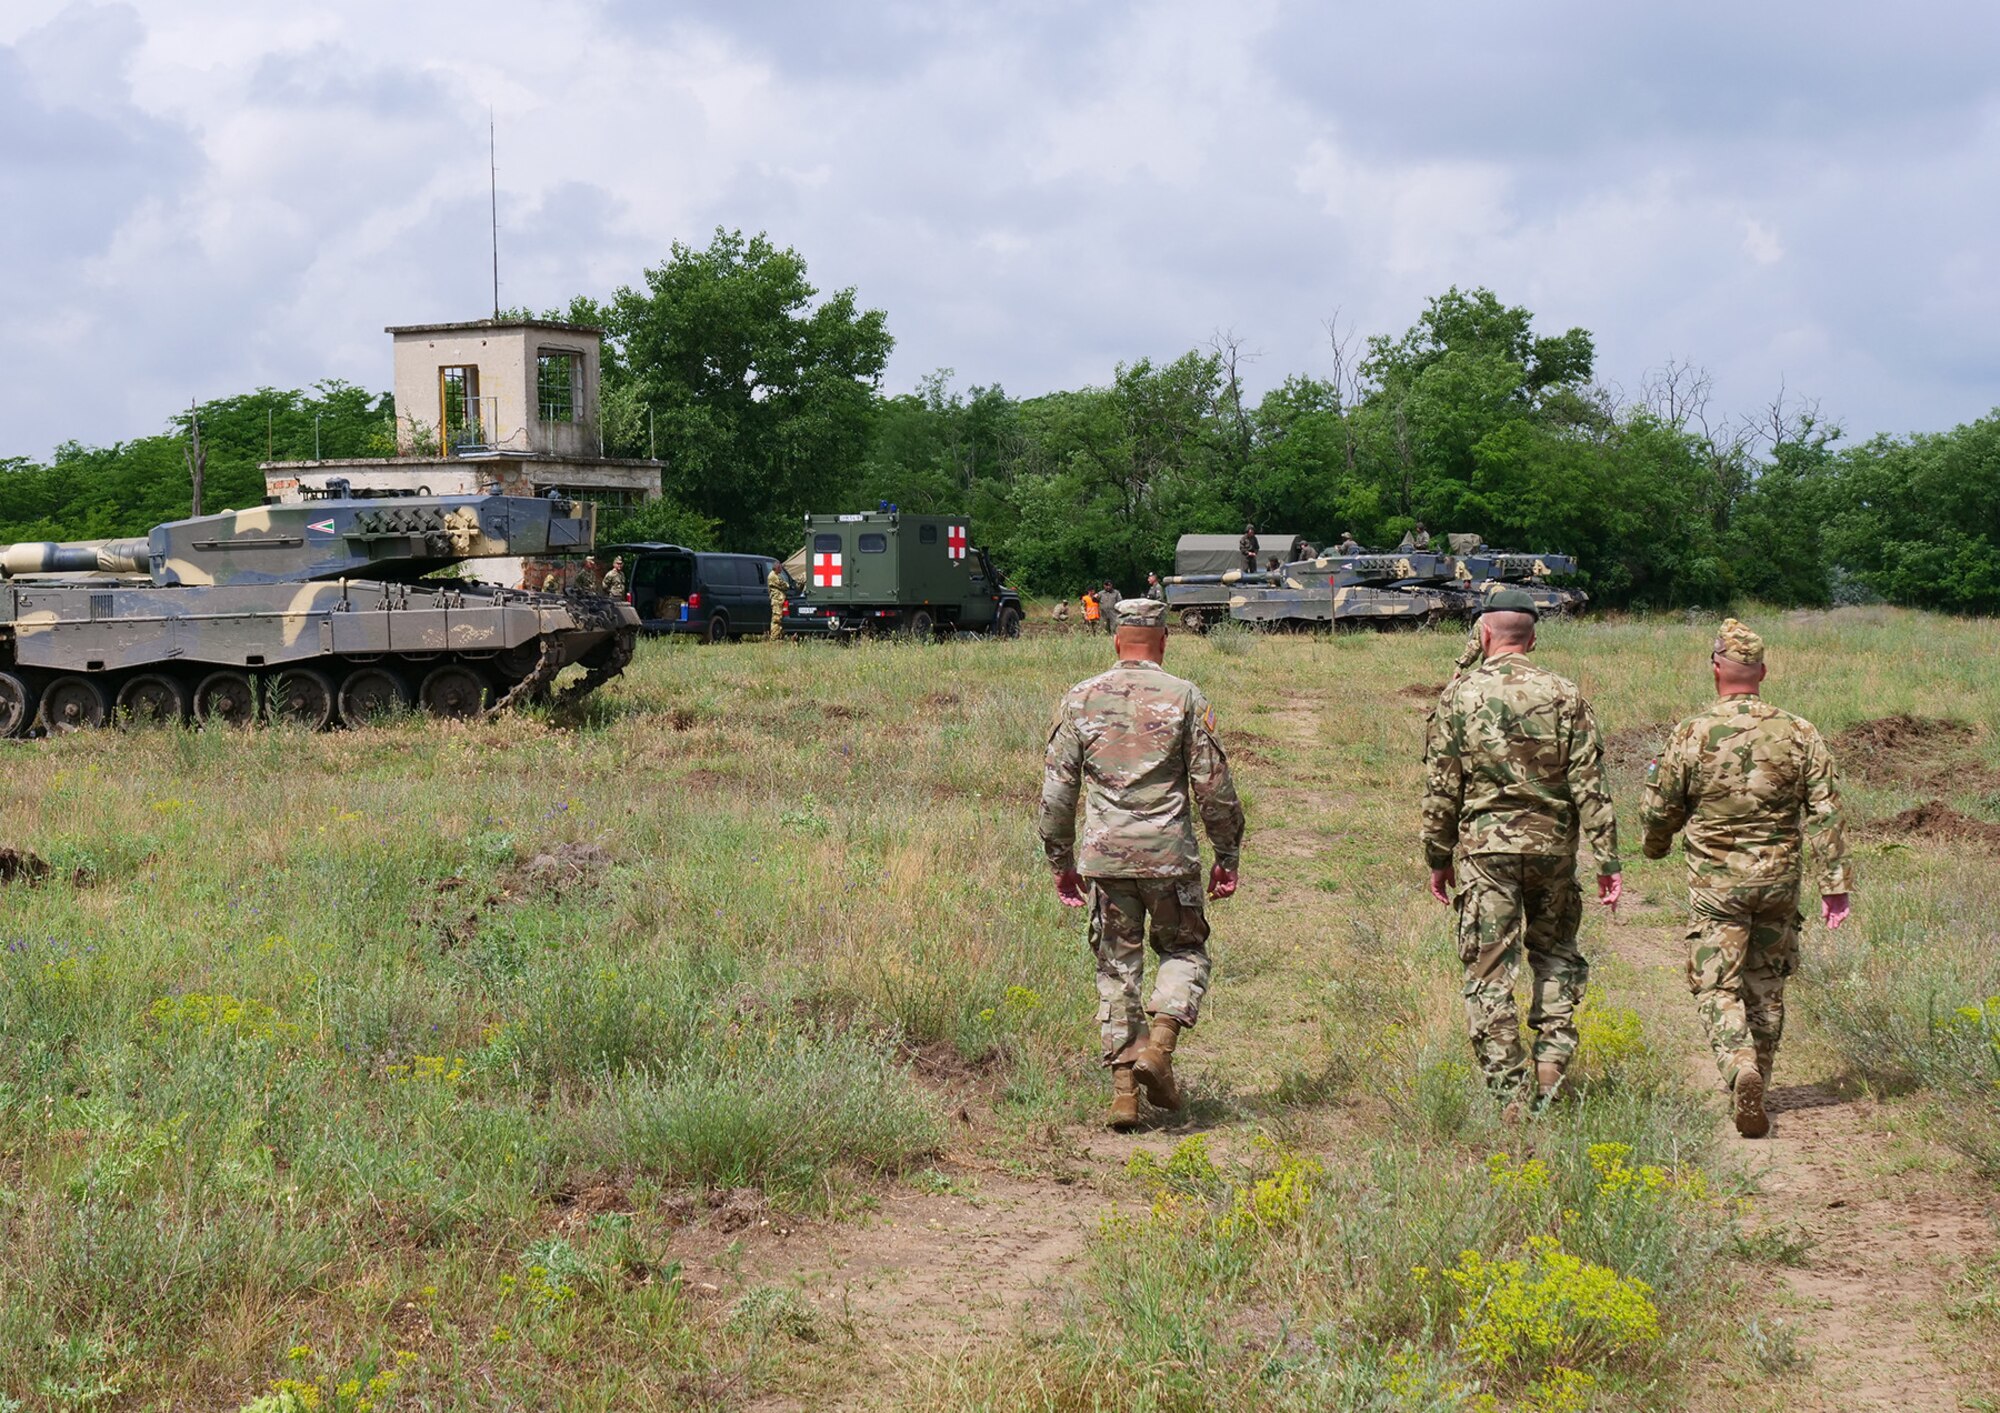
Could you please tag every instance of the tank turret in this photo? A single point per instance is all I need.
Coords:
(309, 614)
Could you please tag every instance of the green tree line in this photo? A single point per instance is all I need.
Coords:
(762, 398)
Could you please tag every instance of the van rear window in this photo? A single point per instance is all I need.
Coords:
(826, 544)
(927, 534)
(874, 544)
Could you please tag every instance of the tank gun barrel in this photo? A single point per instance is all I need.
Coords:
(75, 557)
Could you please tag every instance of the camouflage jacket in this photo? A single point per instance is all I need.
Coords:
(1516, 767)
(1739, 777)
(1138, 741)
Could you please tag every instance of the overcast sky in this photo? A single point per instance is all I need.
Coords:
(201, 196)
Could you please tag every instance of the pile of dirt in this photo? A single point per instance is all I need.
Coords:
(1421, 691)
(1629, 747)
(556, 871)
(1937, 821)
(1925, 751)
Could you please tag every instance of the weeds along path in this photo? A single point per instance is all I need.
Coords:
(1874, 1229)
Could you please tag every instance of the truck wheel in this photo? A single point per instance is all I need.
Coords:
(17, 704)
(718, 629)
(922, 625)
(1009, 623)
(1192, 620)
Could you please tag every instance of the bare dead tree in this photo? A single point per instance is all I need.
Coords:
(1346, 385)
(1230, 352)
(196, 457)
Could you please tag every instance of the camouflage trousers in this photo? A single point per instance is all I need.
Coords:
(1742, 944)
(1121, 910)
(1508, 905)
(777, 617)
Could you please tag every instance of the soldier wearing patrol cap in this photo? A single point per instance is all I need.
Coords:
(1142, 748)
(1515, 776)
(1751, 785)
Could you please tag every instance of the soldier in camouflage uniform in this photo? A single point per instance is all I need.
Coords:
(774, 586)
(1139, 743)
(1739, 778)
(1515, 774)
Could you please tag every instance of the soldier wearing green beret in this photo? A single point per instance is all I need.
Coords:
(1751, 785)
(1515, 778)
(1142, 749)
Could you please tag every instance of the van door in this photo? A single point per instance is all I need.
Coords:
(660, 584)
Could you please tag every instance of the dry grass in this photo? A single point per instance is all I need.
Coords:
(410, 1049)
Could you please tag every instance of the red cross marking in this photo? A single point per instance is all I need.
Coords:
(955, 542)
(826, 571)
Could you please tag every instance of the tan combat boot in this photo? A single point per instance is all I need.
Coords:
(1153, 1064)
(1124, 1099)
(1751, 1120)
(1548, 1084)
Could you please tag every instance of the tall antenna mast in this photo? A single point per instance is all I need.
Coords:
(493, 193)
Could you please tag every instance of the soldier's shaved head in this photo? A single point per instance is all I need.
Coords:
(1134, 643)
(1733, 678)
(1503, 630)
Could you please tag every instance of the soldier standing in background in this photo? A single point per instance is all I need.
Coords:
(1516, 773)
(589, 579)
(1153, 590)
(1348, 544)
(1092, 614)
(614, 582)
(1246, 548)
(1107, 606)
(774, 585)
(1740, 777)
(1141, 746)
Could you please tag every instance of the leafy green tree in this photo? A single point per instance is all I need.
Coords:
(760, 399)
(1917, 519)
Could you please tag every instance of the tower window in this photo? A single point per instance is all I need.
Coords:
(555, 385)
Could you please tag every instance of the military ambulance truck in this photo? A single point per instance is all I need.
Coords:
(886, 571)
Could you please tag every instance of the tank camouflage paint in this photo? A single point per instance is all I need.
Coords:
(313, 613)
(1388, 589)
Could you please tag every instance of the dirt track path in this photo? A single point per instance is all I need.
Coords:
(1883, 1230)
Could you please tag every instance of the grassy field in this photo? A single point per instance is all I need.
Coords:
(422, 1067)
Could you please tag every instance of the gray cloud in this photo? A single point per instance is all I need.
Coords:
(1034, 190)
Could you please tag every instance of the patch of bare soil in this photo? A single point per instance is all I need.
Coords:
(22, 866)
(1926, 752)
(1630, 747)
(923, 1275)
(1882, 1251)
(1422, 691)
(556, 871)
(1939, 822)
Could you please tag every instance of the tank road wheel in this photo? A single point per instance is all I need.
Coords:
(922, 625)
(17, 704)
(226, 699)
(301, 697)
(370, 692)
(151, 699)
(1009, 623)
(517, 662)
(73, 702)
(452, 692)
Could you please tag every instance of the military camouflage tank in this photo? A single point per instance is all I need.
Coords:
(310, 614)
(1380, 589)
